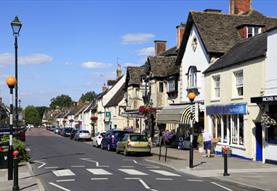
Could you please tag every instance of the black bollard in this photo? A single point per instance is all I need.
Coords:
(225, 156)
(15, 181)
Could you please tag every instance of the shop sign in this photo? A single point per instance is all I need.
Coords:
(269, 98)
(231, 109)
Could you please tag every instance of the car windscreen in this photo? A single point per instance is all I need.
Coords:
(119, 133)
(135, 138)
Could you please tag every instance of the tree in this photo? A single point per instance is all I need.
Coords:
(32, 116)
(61, 101)
(41, 111)
(89, 96)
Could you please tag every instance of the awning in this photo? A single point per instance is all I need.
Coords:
(132, 114)
(176, 114)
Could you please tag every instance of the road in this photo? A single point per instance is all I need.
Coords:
(65, 165)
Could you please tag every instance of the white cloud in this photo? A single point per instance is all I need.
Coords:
(8, 58)
(92, 64)
(149, 51)
(136, 38)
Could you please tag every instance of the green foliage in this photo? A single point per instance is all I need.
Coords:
(200, 140)
(32, 116)
(89, 96)
(41, 111)
(18, 145)
(61, 101)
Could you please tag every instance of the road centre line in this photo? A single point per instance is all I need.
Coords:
(51, 167)
(219, 185)
(58, 186)
(127, 166)
(164, 179)
(66, 180)
(194, 180)
(99, 178)
(78, 166)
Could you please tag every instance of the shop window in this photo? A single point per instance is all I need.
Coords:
(216, 126)
(241, 130)
(238, 83)
(225, 129)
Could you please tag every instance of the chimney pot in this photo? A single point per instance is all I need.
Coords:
(180, 33)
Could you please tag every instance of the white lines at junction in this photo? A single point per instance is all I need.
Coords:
(66, 180)
(219, 185)
(58, 186)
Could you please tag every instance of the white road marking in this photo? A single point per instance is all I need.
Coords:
(152, 167)
(99, 178)
(127, 166)
(78, 166)
(141, 181)
(221, 186)
(50, 167)
(164, 179)
(58, 186)
(64, 172)
(42, 163)
(165, 173)
(96, 162)
(99, 171)
(194, 180)
(135, 161)
(132, 172)
(66, 180)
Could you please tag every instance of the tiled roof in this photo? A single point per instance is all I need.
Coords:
(133, 77)
(170, 52)
(219, 32)
(118, 96)
(162, 66)
(249, 49)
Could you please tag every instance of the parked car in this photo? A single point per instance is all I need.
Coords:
(82, 135)
(133, 143)
(110, 139)
(97, 139)
(51, 128)
(72, 134)
(57, 130)
(66, 132)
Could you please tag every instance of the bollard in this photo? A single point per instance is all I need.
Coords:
(225, 156)
(15, 181)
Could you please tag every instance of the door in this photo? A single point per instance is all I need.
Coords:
(259, 142)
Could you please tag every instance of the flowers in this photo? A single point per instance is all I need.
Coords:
(94, 118)
(146, 109)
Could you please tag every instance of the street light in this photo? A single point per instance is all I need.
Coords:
(16, 26)
(191, 95)
(11, 82)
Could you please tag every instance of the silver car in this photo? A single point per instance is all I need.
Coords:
(82, 135)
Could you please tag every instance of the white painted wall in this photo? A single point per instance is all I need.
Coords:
(271, 65)
(198, 58)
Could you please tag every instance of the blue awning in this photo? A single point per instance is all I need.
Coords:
(230, 109)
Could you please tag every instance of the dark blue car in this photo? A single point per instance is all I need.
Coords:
(111, 138)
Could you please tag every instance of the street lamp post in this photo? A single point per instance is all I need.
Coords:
(11, 82)
(191, 96)
(16, 26)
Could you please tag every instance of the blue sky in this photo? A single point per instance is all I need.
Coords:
(71, 47)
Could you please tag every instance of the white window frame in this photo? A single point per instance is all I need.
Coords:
(251, 30)
(192, 77)
(216, 87)
(238, 84)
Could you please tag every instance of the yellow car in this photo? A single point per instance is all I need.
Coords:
(133, 143)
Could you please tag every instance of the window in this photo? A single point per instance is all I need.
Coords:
(161, 87)
(192, 77)
(216, 85)
(230, 128)
(238, 83)
(171, 86)
(252, 31)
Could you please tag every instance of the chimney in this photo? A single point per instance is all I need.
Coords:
(118, 71)
(104, 88)
(238, 7)
(160, 47)
(180, 33)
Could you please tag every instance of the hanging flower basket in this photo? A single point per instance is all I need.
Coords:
(146, 109)
(94, 118)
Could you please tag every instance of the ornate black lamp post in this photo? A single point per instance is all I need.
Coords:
(16, 26)
(191, 96)
(11, 82)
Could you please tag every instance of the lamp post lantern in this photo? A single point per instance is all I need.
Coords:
(16, 26)
(191, 95)
(11, 82)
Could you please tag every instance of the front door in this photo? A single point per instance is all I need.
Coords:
(259, 142)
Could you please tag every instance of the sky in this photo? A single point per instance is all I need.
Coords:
(73, 46)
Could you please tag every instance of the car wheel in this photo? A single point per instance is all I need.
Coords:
(125, 152)
(109, 147)
(102, 146)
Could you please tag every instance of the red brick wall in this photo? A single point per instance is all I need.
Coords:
(180, 34)
(239, 6)
(243, 32)
(160, 47)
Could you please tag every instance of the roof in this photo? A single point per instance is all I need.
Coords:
(91, 106)
(82, 108)
(76, 109)
(118, 96)
(249, 49)
(133, 77)
(162, 66)
(219, 32)
(170, 52)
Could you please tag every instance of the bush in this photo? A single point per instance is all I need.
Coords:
(17, 145)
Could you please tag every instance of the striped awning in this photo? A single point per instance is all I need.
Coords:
(176, 114)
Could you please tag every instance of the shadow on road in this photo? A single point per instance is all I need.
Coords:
(58, 156)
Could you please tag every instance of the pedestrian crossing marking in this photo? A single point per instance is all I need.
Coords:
(64, 172)
(99, 171)
(132, 172)
(165, 173)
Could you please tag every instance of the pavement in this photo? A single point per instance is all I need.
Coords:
(245, 172)
(27, 181)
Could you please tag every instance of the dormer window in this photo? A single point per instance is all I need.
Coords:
(253, 30)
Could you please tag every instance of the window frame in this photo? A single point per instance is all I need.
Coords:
(216, 90)
(236, 87)
(192, 77)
